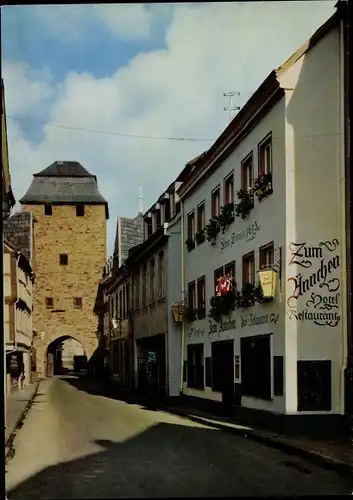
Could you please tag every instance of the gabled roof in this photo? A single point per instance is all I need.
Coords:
(17, 231)
(64, 183)
(64, 169)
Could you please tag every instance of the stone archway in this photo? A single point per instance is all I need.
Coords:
(50, 340)
(53, 365)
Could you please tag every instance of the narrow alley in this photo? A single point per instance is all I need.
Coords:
(76, 443)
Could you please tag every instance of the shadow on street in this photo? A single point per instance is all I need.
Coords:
(161, 462)
(107, 389)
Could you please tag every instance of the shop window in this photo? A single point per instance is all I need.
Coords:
(195, 366)
(256, 366)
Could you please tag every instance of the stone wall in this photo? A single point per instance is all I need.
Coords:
(84, 240)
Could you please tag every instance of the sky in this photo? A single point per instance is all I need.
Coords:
(119, 71)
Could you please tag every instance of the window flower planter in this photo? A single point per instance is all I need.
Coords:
(190, 244)
(263, 186)
(222, 305)
(226, 216)
(245, 204)
(249, 295)
(211, 230)
(200, 236)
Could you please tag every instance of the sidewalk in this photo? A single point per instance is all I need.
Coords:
(16, 404)
(335, 454)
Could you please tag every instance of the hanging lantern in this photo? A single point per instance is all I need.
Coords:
(268, 282)
(178, 310)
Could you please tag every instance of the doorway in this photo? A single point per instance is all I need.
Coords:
(223, 373)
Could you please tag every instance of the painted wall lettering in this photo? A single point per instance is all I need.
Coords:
(320, 286)
(248, 234)
(253, 319)
(222, 327)
(196, 331)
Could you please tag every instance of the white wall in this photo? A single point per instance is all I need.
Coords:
(315, 211)
(205, 259)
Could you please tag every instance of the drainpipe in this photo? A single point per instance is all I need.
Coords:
(348, 14)
(183, 296)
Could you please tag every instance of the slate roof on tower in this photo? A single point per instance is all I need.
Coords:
(64, 182)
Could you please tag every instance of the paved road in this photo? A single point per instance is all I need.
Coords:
(75, 444)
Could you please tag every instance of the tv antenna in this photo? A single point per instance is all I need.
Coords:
(140, 200)
(231, 108)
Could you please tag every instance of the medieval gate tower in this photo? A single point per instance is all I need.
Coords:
(70, 252)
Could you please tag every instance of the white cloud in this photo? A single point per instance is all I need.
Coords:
(129, 21)
(210, 49)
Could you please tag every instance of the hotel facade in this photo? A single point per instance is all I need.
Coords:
(269, 195)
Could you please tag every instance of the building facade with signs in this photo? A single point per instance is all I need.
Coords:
(155, 266)
(268, 196)
(18, 332)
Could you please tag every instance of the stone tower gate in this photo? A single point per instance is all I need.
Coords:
(69, 255)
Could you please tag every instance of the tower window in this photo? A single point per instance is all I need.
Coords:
(78, 302)
(48, 210)
(80, 210)
(64, 259)
(49, 302)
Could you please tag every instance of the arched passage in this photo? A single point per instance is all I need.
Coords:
(54, 356)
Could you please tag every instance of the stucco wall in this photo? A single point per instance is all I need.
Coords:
(264, 224)
(315, 322)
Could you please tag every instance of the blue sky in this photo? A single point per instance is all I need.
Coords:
(157, 69)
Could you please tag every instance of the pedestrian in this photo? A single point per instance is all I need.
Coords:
(21, 379)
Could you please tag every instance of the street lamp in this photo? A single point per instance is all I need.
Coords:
(268, 278)
(178, 310)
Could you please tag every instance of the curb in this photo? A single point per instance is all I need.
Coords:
(320, 460)
(8, 443)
